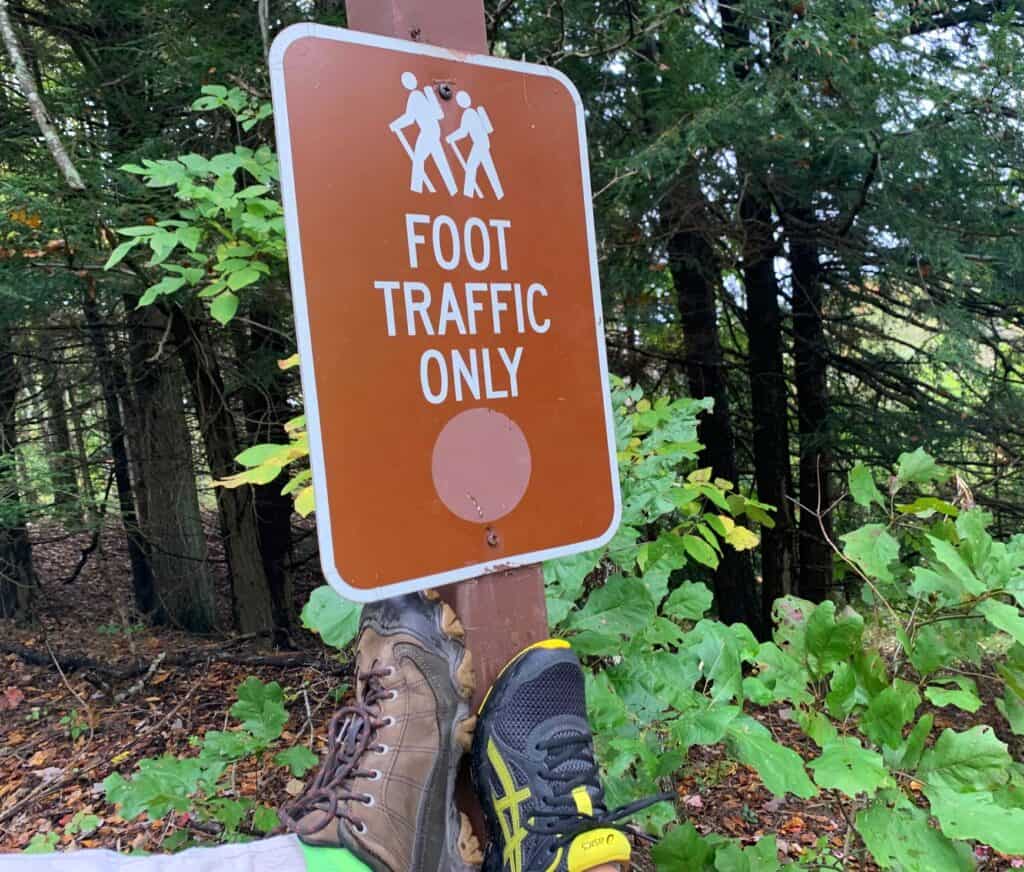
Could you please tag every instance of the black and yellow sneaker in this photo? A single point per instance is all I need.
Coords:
(535, 773)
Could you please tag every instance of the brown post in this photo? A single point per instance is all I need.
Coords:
(505, 611)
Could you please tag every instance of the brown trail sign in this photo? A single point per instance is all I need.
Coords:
(447, 307)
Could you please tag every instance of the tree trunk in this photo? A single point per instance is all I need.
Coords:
(90, 510)
(250, 590)
(695, 274)
(66, 499)
(809, 352)
(768, 398)
(171, 522)
(265, 400)
(17, 575)
(142, 574)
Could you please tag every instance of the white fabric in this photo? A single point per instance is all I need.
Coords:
(279, 854)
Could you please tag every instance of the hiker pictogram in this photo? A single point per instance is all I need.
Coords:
(423, 110)
(475, 125)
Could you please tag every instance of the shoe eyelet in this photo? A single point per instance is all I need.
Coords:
(368, 800)
(388, 721)
(361, 829)
(376, 775)
(393, 694)
(390, 671)
(384, 749)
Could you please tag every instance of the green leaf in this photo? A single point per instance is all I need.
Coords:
(873, 549)
(160, 785)
(918, 467)
(260, 708)
(622, 605)
(119, 253)
(42, 843)
(167, 285)
(742, 539)
(977, 815)
(1011, 706)
(971, 760)
(862, 487)
(908, 755)
(703, 724)
(257, 455)
(948, 555)
(334, 619)
(684, 848)
(700, 551)
(264, 818)
(845, 765)
(780, 768)
(963, 694)
(828, 641)
(761, 857)
(689, 601)
(299, 760)
(1004, 617)
(778, 677)
(223, 308)
(901, 838)
(717, 652)
(889, 712)
(789, 615)
(242, 278)
(925, 507)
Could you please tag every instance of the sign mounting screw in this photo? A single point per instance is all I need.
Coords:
(445, 90)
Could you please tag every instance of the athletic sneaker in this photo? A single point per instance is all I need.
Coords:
(535, 773)
(385, 790)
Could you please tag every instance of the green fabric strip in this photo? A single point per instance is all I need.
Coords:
(332, 860)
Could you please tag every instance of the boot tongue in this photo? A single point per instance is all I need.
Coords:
(596, 847)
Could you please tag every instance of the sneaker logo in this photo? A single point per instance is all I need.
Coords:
(599, 842)
(507, 810)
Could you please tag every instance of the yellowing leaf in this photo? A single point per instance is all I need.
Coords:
(289, 362)
(304, 504)
(700, 476)
(742, 539)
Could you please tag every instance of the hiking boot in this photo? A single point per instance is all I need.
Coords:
(386, 785)
(535, 773)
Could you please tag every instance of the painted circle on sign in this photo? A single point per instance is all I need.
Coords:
(481, 465)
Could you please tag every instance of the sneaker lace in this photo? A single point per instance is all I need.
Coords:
(560, 816)
(349, 736)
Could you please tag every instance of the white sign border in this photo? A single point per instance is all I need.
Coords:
(298, 292)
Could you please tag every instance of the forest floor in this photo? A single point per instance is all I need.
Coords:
(47, 776)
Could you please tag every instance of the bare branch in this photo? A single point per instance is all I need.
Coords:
(35, 102)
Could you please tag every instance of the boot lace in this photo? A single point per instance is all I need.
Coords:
(349, 736)
(559, 816)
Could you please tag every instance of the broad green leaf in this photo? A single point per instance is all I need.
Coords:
(908, 755)
(717, 653)
(299, 760)
(622, 605)
(977, 815)
(683, 848)
(778, 677)
(700, 551)
(1004, 617)
(862, 487)
(166, 285)
(780, 768)
(305, 501)
(223, 308)
(159, 785)
(119, 253)
(761, 857)
(925, 507)
(947, 554)
(334, 619)
(689, 601)
(42, 843)
(889, 712)
(789, 615)
(873, 549)
(818, 727)
(260, 708)
(703, 724)
(954, 690)
(918, 467)
(265, 819)
(829, 640)
(900, 838)
(969, 761)
(1011, 706)
(847, 766)
(256, 455)
(242, 278)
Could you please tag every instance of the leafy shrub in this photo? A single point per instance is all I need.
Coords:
(200, 785)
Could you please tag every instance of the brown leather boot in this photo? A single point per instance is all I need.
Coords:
(385, 790)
